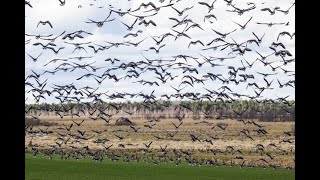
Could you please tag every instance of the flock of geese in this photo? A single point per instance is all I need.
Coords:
(190, 76)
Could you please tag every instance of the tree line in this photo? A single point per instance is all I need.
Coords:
(238, 109)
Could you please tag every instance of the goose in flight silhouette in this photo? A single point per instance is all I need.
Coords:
(177, 126)
(68, 128)
(141, 17)
(53, 39)
(100, 23)
(180, 13)
(193, 26)
(283, 53)
(179, 22)
(44, 46)
(223, 35)
(277, 44)
(266, 74)
(112, 60)
(229, 2)
(129, 28)
(35, 58)
(44, 23)
(268, 83)
(38, 36)
(62, 3)
(207, 17)
(270, 23)
(286, 11)
(178, 90)
(157, 9)
(78, 124)
(272, 12)
(148, 145)
(221, 126)
(157, 50)
(72, 37)
(162, 38)
(54, 61)
(180, 34)
(243, 26)
(258, 39)
(54, 50)
(285, 33)
(145, 6)
(107, 148)
(147, 23)
(134, 129)
(195, 42)
(28, 3)
(241, 11)
(27, 41)
(137, 43)
(264, 57)
(133, 34)
(210, 7)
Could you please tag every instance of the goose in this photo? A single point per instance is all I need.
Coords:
(210, 7)
(44, 23)
(243, 26)
(129, 28)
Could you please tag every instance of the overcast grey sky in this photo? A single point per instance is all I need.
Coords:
(71, 18)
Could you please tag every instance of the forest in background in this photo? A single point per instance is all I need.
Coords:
(267, 110)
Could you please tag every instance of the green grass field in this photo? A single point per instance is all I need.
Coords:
(39, 168)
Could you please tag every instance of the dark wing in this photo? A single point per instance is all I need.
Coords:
(179, 12)
(125, 24)
(248, 21)
(48, 22)
(153, 23)
(205, 4)
(162, 46)
(200, 42)
(266, 9)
